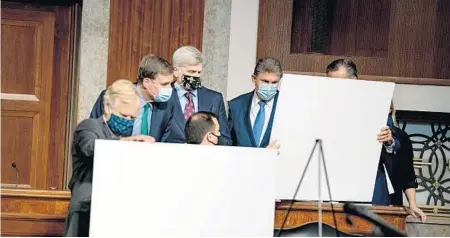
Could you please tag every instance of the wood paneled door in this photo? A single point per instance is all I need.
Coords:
(27, 47)
(35, 61)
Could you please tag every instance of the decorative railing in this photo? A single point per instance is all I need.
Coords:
(430, 136)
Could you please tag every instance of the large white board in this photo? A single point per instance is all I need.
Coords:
(157, 190)
(346, 115)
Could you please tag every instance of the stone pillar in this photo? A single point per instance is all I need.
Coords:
(93, 54)
(230, 31)
(216, 41)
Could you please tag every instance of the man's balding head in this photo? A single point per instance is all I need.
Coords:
(202, 128)
(342, 68)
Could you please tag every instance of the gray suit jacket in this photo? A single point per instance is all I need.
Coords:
(77, 223)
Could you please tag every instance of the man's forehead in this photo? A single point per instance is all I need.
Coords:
(164, 77)
(128, 107)
(197, 67)
(269, 76)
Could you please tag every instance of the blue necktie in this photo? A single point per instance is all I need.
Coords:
(259, 122)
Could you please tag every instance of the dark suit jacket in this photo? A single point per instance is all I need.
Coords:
(162, 117)
(209, 101)
(400, 167)
(239, 121)
(77, 223)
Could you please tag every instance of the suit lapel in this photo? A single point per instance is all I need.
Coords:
(203, 104)
(178, 111)
(154, 124)
(266, 139)
(247, 123)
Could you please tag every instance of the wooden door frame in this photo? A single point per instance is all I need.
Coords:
(74, 80)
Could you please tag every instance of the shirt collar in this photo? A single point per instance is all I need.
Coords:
(181, 91)
(256, 100)
(143, 102)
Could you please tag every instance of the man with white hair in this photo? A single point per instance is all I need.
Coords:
(121, 107)
(190, 96)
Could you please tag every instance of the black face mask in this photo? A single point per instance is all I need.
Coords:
(191, 82)
(211, 141)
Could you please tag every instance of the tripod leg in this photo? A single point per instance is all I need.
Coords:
(322, 157)
(296, 190)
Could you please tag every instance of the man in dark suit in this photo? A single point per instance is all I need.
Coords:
(121, 105)
(396, 156)
(251, 114)
(191, 96)
(155, 115)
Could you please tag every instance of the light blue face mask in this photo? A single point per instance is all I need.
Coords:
(267, 91)
(164, 94)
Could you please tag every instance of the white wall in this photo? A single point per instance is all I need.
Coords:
(242, 54)
(422, 98)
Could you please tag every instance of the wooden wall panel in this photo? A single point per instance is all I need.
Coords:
(303, 213)
(140, 27)
(33, 212)
(418, 44)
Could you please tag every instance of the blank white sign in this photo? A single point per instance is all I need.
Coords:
(157, 190)
(346, 115)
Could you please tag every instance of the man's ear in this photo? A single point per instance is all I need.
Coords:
(107, 108)
(178, 75)
(254, 80)
(145, 83)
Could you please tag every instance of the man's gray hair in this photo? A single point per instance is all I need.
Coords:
(187, 55)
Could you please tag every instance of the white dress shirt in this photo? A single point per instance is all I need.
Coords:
(254, 109)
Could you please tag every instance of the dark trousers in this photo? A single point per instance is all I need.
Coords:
(381, 192)
(77, 224)
(78, 217)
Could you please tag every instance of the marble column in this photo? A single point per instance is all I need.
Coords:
(229, 45)
(93, 54)
(216, 42)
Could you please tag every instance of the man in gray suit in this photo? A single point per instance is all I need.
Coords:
(121, 106)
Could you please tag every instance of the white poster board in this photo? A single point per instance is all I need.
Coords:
(158, 190)
(346, 115)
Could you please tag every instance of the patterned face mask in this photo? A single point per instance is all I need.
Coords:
(120, 126)
(191, 82)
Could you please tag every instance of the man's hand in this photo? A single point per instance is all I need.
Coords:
(140, 138)
(415, 212)
(274, 145)
(385, 136)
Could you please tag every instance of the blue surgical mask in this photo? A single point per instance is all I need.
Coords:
(267, 91)
(120, 126)
(164, 94)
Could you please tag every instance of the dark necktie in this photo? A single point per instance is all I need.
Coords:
(189, 106)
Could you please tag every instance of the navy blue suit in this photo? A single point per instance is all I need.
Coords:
(209, 101)
(162, 118)
(239, 121)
